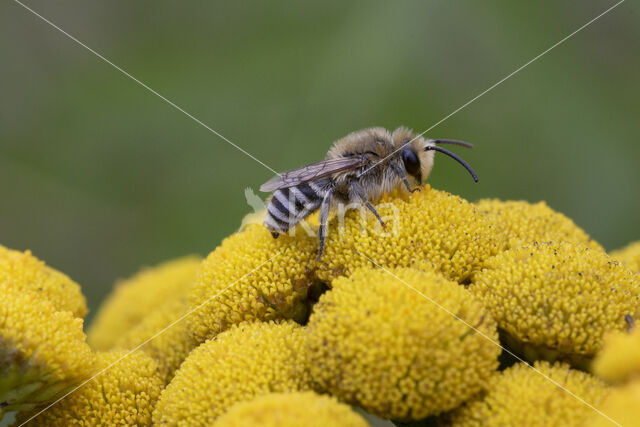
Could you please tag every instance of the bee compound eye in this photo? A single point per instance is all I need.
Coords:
(411, 161)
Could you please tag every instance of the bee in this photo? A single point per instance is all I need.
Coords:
(357, 170)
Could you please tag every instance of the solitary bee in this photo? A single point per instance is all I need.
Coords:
(357, 170)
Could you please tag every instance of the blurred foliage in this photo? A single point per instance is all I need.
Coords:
(99, 176)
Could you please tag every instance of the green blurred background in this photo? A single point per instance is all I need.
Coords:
(100, 177)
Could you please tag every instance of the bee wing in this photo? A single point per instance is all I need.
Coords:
(311, 172)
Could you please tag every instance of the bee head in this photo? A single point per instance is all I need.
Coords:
(416, 161)
(417, 153)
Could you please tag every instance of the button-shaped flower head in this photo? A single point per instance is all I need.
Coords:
(165, 335)
(622, 405)
(429, 225)
(522, 396)
(629, 255)
(619, 359)
(23, 271)
(248, 360)
(43, 351)
(125, 393)
(252, 276)
(135, 298)
(558, 299)
(520, 222)
(390, 343)
(291, 410)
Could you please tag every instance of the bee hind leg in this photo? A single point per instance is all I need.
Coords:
(360, 192)
(324, 218)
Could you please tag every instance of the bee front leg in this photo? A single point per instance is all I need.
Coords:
(403, 176)
(324, 218)
(359, 191)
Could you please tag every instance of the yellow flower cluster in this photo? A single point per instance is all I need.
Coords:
(25, 272)
(247, 360)
(388, 341)
(619, 360)
(557, 298)
(545, 395)
(291, 410)
(405, 323)
(123, 394)
(43, 352)
(137, 297)
(428, 225)
(165, 336)
(619, 363)
(520, 222)
(252, 276)
(629, 255)
(622, 406)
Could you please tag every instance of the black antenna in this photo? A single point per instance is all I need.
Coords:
(453, 142)
(455, 157)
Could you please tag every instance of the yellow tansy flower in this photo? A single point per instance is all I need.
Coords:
(629, 255)
(25, 272)
(619, 360)
(124, 394)
(390, 349)
(135, 298)
(622, 405)
(43, 352)
(429, 225)
(248, 360)
(252, 276)
(173, 341)
(520, 222)
(291, 410)
(520, 396)
(558, 299)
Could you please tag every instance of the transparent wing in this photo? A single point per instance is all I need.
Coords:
(311, 172)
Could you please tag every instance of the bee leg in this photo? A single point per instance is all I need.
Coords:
(360, 192)
(324, 218)
(403, 177)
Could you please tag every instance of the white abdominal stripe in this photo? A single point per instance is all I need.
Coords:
(290, 205)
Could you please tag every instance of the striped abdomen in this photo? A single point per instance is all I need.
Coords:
(289, 206)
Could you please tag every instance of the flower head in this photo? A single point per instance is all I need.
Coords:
(622, 405)
(429, 225)
(43, 352)
(559, 296)
(390, 343)
(629, 255)
(619, 359)
(520, 222)
(25, 272)
(124, 394)
(171, 341)
(135, 298)
(291, 410)
(521, 395)
(252, 276)
(247, 360)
